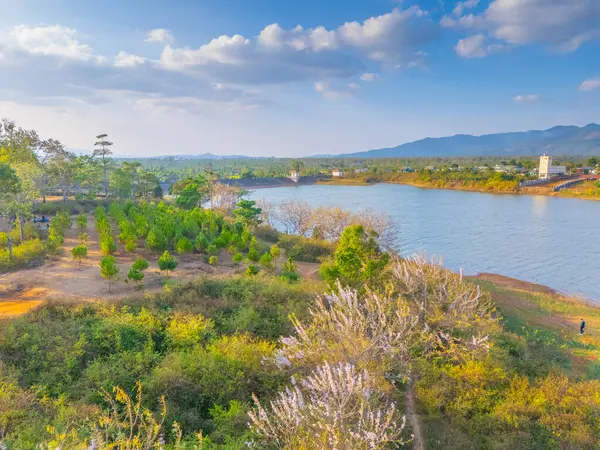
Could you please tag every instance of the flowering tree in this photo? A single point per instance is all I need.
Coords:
(335, 407)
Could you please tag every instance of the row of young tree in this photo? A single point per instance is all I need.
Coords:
(31, 169)
(164, 229)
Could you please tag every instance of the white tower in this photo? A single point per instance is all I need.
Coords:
(545, 166)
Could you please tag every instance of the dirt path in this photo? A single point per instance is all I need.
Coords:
(62, 278)
(414, 420)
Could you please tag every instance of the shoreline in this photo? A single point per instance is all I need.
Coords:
(522, 192)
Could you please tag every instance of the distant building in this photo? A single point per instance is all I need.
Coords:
(547, 170)
(295, 175)
(337, 173)
(362, 170)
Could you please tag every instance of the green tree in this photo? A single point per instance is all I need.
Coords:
(357, 261)
(140, 264)
(248, 212)
(192, 192)
(201, 242)
(252, 270)
(79, 253)
(103, 151)
(184, 245)
(275, 252)
(213, 260)
(130, 244)
(135, 275)
(156, 240)
(167, 262)
(63, 169)
(82, 222)
(10, 207)
(593, 161)
(107, 244)
(109, 269)
(136, 271)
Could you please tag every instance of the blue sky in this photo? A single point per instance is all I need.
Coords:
(283, 78)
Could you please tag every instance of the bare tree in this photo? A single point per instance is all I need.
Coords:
(268, 213)
(225, 197)
(295, 216)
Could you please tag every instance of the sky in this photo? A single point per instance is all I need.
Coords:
(283, 78)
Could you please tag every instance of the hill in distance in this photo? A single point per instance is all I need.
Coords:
(560, 140)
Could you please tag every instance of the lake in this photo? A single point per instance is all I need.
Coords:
(545, 240)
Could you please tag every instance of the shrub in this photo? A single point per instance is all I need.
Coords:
(251, 270)
(213, 260)
(83, 237)
(24, 254)
(266, 233)
(267, 261)
(212, 250)
(307, 250)
(167, 263)
(237, 258)
(253, 255)
(289, 271)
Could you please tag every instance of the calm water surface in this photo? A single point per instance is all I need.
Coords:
(545, 240)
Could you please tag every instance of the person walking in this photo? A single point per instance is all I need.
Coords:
(582, 327)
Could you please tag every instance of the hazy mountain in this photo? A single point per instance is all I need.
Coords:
(560, 140)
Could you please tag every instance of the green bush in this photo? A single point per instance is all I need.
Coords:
(26, 254)
(253, 255)
(252, 270)
(306, 250)
(237, 258)
(266, 233)
(213, 260)
(266, 261)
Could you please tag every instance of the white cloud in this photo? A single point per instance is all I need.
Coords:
(369, 76)
(52, 40)
(160, 35)
(563, 25)
(124, 59)
(52, 64)
(277, 55)
(590, 84)
(462, 6)
(529, 98)
(476, 47)
(331, 92)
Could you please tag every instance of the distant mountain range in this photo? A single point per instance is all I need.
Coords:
(560, 140)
